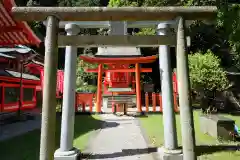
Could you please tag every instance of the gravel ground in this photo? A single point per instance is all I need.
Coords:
(119, 139)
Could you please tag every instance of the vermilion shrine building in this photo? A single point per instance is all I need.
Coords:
(13, 59)
(121, 83)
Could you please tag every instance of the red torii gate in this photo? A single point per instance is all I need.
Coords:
(122, 60)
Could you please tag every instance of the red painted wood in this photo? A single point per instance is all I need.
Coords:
(160, 101)
(10, 29)
(13, 79)
(138, 87)
(13, 107)
(99, 89)
(84, 99)
(14, 32)
(131, 60)
(124, 70)
(154, 101)
(147, 102)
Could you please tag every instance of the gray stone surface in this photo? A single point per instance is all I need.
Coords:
(71, 157)
(118, 51)
(8, 131)
(169, 155)
(217, 126)
(119, 139)
(68, 155)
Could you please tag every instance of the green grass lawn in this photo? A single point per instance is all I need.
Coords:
(153, 126)
(26, 147)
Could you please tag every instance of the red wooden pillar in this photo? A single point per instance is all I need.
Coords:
(154, 101)
(3, 97)
(76, 103)
(90, 106)
(83, 107)
(138, 87)
(175, 102)
(160, 102)
(35, 97)
(146, 101)
(99, 89)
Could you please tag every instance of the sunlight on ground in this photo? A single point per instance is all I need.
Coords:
(26, 147)
(154, 129)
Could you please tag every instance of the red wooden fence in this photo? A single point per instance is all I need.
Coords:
(86, 99)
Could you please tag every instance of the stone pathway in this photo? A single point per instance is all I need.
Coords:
(15, 129)
(119, 139)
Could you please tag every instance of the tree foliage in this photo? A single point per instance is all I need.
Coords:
(229, 23)
(82, 3)
(121, 3)
(83, 77)
(215, 37)
(206, 72)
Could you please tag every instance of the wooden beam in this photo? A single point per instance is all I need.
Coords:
(120, 70)
(115, 40)
(10, 29)
(126, 60)
(114, 13)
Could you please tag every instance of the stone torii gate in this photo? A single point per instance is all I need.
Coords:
(53, 40)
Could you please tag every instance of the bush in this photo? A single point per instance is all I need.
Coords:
(207, 77)
(206, 72)
(87, 88)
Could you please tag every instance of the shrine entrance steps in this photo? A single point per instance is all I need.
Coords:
(112, 103)
(133, 110)
(108, 101)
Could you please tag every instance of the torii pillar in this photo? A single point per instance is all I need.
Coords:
(66, 150)
(169, 121)
(47, 142)
(186, 113)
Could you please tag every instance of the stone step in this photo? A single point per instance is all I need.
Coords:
(129, 99)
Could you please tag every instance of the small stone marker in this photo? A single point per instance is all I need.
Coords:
(217, 126)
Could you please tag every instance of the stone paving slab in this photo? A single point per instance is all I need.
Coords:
(119, 139)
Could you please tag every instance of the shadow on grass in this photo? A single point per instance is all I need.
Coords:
(26, 146)
(124, 153)
(146, 114)
(235, 113)
(210, 149)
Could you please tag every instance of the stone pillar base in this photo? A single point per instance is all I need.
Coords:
(165, 154)
(67, 155)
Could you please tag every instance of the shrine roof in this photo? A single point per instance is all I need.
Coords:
(14, 49)
(6, 56)
(14, 74)
(13, 32)
(122, 60)
(118, 51)
(35, 65)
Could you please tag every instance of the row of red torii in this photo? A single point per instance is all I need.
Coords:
(55, 14)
